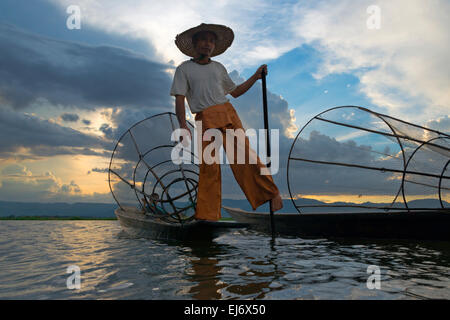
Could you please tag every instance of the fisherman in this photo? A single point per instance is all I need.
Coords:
(205, 84)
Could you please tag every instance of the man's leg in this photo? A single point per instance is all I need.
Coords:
(257, 188)
(209, 194)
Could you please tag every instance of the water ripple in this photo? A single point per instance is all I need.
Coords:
(239, 265)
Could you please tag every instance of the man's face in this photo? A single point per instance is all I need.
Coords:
(205, 44)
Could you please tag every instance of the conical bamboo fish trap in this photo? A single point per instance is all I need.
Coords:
(350, 158)
(143, 175)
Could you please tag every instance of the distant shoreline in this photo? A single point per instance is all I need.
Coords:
(40, 218)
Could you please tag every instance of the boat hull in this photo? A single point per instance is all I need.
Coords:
(137, 224)
(423, 225)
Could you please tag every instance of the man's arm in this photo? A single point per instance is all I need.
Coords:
(180, 110)
(243, 87)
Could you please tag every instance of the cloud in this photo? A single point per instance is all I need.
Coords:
(106, 129)
(402, 66)
(250, 109)
(70, 117)
(33, 137)
(441, 124)
(311, 178)
(35, 69)
(98, 170)
(120, 120)
(17, 171)
(72, 187)
(259, 27)
(18, 183)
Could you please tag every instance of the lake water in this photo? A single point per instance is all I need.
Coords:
(242, 264)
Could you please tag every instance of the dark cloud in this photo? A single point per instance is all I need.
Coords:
(323, 178)
(70, 117)
(98, 170)
(106, 129)
(71, 74)
(86, 122)
(123, 119)
(44, 138)
(46, 151)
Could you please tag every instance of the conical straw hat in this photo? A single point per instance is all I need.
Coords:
(225, 37)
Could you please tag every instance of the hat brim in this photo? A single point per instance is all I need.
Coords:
(225, 37)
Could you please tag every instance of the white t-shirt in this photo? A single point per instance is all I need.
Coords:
(202, 85)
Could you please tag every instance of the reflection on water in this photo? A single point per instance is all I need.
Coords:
(239, 265)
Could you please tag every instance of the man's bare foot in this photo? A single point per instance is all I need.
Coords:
(276, 203)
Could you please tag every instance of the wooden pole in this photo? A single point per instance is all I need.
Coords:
(266, 127)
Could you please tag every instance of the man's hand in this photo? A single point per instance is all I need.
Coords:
(259, 71)
(243, 87)
(182, 138)
(180, 109)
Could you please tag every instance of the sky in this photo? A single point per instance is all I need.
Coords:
(66, 95)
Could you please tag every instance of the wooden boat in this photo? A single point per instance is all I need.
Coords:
(138, 224)
(419, 225)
